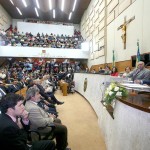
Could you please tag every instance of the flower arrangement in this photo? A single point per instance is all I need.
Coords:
(114, 89)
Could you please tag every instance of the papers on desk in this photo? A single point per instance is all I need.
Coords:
(137, 87)
(134, 85)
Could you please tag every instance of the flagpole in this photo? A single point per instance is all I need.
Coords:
(113, 60)
(138, 57)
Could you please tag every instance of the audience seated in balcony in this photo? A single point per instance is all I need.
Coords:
(15, 38)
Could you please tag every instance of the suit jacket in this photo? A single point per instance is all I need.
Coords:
(4, 88)
(144, 74)
(38, 117)
(11, 136)
(13, 89)
(42, 91)
(146, 82)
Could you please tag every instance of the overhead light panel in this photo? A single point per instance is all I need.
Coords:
(50, 4)
(74, 5)
(53, 13)
(62, 5)
(36, 12)
(70, 15)
(12, 2)
(24, 3)
(37, 3)
(19, 11)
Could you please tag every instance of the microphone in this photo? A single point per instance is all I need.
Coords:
(148, 64)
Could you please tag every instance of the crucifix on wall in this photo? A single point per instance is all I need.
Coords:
(123, 27)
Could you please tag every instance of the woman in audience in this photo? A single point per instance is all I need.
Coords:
(107, 70)
(127, 71)
(114, 72)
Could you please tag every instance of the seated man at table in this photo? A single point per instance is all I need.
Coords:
(140, 73)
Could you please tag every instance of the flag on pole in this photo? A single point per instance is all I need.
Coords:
(113, 60)
(138, 56)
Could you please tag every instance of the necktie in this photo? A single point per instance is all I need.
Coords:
(136, 73)
(2, 92)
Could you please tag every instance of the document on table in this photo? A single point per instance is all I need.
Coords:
(135, 86)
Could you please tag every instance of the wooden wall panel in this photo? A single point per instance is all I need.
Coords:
(133, 1)
(111, 17)
(95, 18)
(101, 42)
(95, 32)
(124, 5)
(108, 1)
(111, 6)
(101, 34)
(101, 16)
(95, 3)
(101, 25)
(120, 65)
(116, 11)
(102, 6)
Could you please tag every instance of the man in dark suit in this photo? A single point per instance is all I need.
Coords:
(14, 123)
(143, 82)
(3, 90)
(14, 87)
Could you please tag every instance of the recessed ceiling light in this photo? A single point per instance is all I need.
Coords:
(62, 5)
(36, 12)
(70, 15)
(53, 13)
(12, 2)
(74, 5)
(37, 3)
(24, 3)
(19, 11)
(50, 4)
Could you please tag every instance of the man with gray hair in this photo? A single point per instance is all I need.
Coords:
(40, 119)
(140, 73)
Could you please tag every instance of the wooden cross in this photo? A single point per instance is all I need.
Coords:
(123, 27)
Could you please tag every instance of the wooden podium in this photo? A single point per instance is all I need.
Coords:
(22, 92)
(64, 87)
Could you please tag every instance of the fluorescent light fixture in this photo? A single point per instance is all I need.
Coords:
(53, 13)
(24, 3)
(12, 2)
(74, 5)
(62, 5)
(70, 15)
(36, 12)
(37, 3)
(50, 4)
(19, 11)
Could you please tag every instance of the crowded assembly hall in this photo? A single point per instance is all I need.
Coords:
(74, 75)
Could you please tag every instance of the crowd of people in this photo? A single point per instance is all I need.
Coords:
(12, 37)
(37, 110)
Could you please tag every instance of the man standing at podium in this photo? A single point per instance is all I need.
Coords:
(140, 73)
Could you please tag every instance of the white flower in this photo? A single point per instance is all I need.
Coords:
(116, 88)
(110, 87)
(110, 93)
(119, 94)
